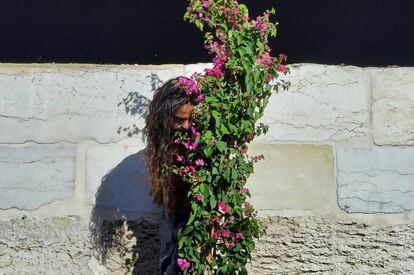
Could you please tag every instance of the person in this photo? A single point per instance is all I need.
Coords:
(170, 110)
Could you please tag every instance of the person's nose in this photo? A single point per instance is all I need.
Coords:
(186, 124)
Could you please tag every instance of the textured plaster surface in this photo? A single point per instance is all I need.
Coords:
(104, 104)
(293, 245)
(34, 175)
(323, 104)
(376, 180)
(44, 246)
(393, 106)
(292, 176)
(316, 245)
(116, 177)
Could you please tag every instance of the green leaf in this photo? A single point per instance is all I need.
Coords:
(192, 217)
(217, 118)
(214, 171)
(234, 174)
(224, 129)
(208, 150)
(199, 25)
(181, 242)
(243, 10)
(224, 268)
(213, 202)
(222, 146)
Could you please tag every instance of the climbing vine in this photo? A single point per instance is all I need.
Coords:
(220, 234)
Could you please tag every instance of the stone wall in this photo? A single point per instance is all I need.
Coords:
(336, 187)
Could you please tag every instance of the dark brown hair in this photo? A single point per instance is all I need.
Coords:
(158, 133)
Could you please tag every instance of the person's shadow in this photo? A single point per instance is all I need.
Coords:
(124, 221)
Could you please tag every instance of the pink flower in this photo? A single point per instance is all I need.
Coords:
(281, 68)
(177, 141)
(190, 169)
(205, 4)
(230, 244)
(180, 158)
(200, 98)
(183, 264)
(225, 233)
(194, 132)
(223, 208)
(268, 78)
(239, 235)
(244, 190)
(261, 23)
(264, 58)
(200, 162)
(189, 84)
(215, 235)
(199, 197)
(190, 146)
(282, 57)
(215, 72)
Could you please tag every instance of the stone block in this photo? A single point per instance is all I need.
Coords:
(293, 177)
(32, 176)
(324, 103)
(317, 245)
(393, 106)
(57, 245)
(116, 178)
(100, 103)
(68, 245)
(375, 180)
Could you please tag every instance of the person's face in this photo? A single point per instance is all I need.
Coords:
(182, 118)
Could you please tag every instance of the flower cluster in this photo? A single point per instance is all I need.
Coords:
(223, 208)
(234, 18)
(187, 165)
(191, 88)
(220, 58)
(261, 23)
(223, 235)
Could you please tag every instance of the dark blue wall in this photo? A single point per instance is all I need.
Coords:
(358, 32)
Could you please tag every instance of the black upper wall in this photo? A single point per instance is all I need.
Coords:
(357, 32)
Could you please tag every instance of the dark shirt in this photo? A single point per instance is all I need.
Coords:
(176, 201)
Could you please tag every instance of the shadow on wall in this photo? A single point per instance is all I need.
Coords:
(136, 104)
(124, 221)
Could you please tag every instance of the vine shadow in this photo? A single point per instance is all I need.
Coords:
(136, 104)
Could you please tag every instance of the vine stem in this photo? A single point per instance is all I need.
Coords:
(209, 271)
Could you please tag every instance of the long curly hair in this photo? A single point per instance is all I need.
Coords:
(158, 134)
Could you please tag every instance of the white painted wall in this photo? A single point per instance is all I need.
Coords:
(342, 134)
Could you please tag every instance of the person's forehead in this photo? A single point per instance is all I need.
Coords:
(184, 111)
